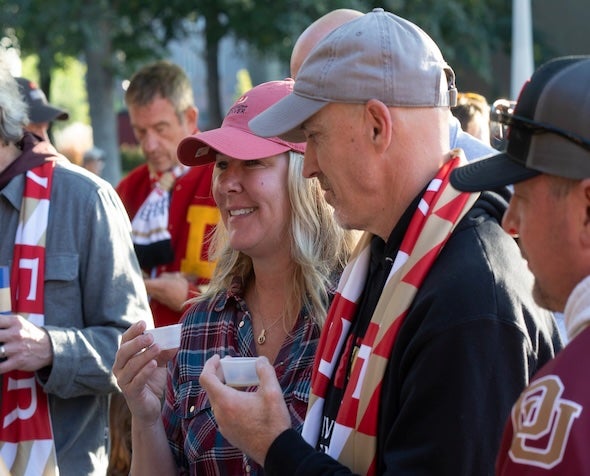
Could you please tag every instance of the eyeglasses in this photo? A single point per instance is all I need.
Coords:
(539, 127)
(497, 129)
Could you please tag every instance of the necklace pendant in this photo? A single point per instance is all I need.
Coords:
(262, 337)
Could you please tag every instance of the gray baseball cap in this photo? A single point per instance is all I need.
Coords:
(548, 131)
(376, 56)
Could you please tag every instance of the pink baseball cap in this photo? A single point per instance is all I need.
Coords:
(234, 138)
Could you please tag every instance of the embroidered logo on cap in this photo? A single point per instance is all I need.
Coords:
(201, 151)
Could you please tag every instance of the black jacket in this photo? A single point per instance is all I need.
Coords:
(472, 340)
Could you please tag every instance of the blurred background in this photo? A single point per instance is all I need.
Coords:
(81, 53)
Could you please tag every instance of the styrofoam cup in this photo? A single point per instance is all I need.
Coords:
(239, 371)
(167, 337)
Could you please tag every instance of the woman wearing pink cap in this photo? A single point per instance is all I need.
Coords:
(279, 252)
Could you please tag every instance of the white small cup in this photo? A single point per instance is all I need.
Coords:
(239, 371)
(167, 337)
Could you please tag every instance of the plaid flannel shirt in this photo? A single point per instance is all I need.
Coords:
(226, 329)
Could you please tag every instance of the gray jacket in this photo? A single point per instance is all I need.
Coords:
(93, 292)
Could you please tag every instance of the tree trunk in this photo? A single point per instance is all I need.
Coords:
(100, 85)
(44, 68)
(212, 39)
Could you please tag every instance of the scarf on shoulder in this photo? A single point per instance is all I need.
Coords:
(354, 437)
(26, 436)
(149, 227)
(34, 153)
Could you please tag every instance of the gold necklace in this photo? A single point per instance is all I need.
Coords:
(262, 336)
(261, 339)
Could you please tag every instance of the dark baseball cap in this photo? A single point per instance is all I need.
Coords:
(548, 131)
(39, 109)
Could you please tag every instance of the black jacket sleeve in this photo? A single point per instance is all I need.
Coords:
(291, 455)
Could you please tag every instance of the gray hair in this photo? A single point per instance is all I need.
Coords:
(13, 108)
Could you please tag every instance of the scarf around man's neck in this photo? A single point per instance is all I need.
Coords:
(354, 437)
(34, 153)
(26, 436)
(149, 227)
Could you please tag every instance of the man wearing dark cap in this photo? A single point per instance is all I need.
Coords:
(41, 113)
(433, 332)
(547, 158)
(74, 287)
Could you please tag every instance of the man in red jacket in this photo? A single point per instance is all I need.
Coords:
(171, 208)
(170, 205)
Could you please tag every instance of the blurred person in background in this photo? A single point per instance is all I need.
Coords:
(473, 112)
(170, 205)
(171, 208)
(41, 113)
(73, 140)
(498, 130)
(93, 160)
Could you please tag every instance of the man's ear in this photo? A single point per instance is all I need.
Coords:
(380, 123)
(585, 192)
(191, 116)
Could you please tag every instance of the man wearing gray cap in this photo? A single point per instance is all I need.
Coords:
(433, 332)
(472, 147)
(41, 113)
(547, 158)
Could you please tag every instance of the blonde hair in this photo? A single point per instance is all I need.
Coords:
(472, 109)
(319, 247)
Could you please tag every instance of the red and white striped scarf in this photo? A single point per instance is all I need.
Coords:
(354, 437)
(149, 226)
(26, 436)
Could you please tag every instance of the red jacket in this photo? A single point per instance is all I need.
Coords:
(193, 215)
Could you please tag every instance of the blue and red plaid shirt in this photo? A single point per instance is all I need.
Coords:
(226, 329)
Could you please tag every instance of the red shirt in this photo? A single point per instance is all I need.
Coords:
(548, 432)
(192, 217)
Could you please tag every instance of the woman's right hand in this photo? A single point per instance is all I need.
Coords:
(140, 369)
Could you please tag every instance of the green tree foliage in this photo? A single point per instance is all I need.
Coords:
(270, 26)
(110, 36)
(114, 36)
(68, 90)
(468, 32)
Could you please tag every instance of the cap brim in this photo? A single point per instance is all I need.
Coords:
(490, 173)
(201, 148)
(47, 113)
(284, 119)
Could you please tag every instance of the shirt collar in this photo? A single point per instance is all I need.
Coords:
(13, 191)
